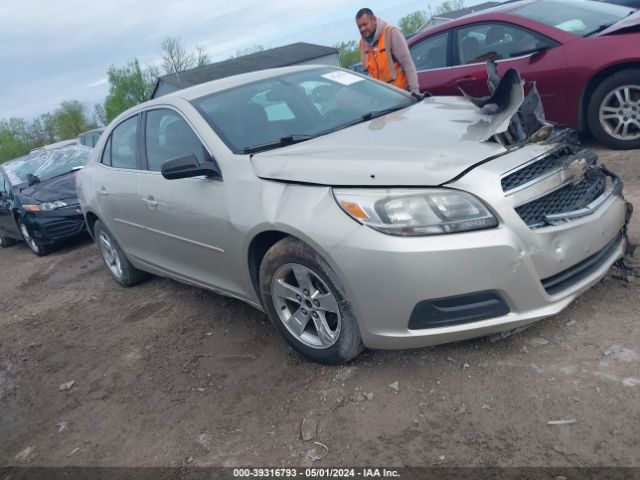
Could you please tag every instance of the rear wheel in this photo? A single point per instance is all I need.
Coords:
(613, 113)
(35, 246)
(114, 258)
(307, 304)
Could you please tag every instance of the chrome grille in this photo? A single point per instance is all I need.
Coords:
(536, 169)
(568, 198)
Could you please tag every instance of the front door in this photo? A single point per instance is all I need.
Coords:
(186, 227)
(431, 58)
(8, 226)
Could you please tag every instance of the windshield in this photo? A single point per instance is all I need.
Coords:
(46, 163)
(295, 107)
(573, 16)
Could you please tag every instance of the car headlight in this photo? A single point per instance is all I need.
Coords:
(416, 212)
(45, 207)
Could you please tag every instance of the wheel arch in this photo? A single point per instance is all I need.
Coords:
(593, 84)
(258, 247)
(91, 219)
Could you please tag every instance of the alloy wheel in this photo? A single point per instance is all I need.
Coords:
(306, 306)
(619, 113)
(110, 255)
(28, 239)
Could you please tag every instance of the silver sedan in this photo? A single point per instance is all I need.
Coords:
(353, 214)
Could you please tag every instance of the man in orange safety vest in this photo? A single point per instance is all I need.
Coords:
(384, 52)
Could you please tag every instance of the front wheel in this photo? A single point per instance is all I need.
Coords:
(114, 258)
(306, 303)
(35, 246)
(613, 113)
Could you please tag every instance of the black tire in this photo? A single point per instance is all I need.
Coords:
(27, 235)
(114, 258)
(603, 96)
(6, 241)
(290, 253)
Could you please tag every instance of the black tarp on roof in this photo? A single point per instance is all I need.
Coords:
(276, 57)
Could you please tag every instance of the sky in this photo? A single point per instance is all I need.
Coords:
(56, 51)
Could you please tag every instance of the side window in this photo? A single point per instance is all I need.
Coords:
(3, 188)
(169, 136)
(106, 153)
(124, 140)
(431, 52)
(494, 41)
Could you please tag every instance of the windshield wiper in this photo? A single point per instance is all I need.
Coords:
(282, 142)
(380, 113)
(602, 27)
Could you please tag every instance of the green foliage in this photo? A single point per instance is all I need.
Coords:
(18, 136)
(15, 138)
(411, 22)
(69, 120)
(128, 86)
(348, 52)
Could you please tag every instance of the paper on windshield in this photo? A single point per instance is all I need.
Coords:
(345, 78)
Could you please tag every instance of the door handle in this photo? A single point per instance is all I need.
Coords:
(103, 192)
(151, 203)
(468, 78)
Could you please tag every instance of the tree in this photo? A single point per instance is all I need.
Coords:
(128, 86)
(99, 115)
(348, 53)
(46, 120)
(247, 51)
(69, 120)
(413, 21)
(15, 138)
(449, 6)
(175, 57)
(202, 57)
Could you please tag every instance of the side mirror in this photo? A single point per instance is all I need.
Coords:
(32, 179)
(188, 167)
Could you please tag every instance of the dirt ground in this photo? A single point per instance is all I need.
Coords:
(166, 375)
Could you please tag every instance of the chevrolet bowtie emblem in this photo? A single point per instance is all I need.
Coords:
(575, 171)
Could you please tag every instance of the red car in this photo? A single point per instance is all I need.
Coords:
(583, 55)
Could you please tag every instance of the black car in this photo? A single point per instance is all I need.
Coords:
(38, 200)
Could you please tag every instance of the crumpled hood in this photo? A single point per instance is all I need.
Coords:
(62, 187)
(426, 144)
(632, 20)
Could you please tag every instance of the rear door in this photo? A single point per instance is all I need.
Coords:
(117, 182)
(536, 57)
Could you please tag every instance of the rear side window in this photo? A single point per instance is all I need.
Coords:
(169, 136)
(122, 146)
